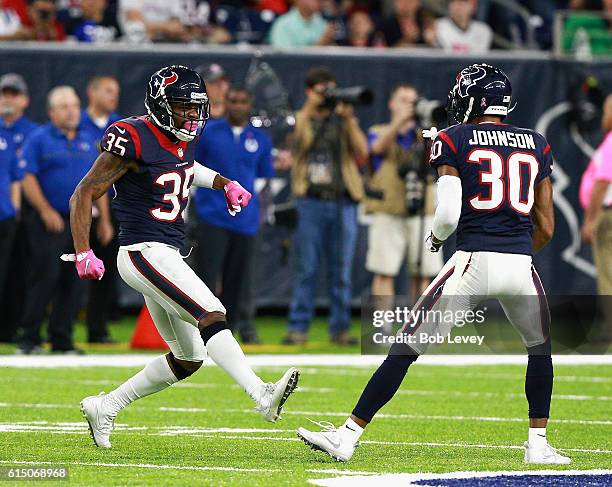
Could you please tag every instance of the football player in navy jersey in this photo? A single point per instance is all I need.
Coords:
(150, 162)
(494, 188)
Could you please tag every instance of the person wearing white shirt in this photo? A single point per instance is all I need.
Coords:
(459, 33)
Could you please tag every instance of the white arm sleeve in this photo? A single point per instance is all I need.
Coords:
(448, 210)
(202, 176)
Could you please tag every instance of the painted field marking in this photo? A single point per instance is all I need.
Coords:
(327, 413)
(233, 434)
(333, 360)
(403, 443)
(407, 479)
(397, 416)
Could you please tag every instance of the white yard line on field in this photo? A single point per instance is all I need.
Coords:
(263, 360)
(395, 416)
(233, 434)
(329, 414)
(569, 397)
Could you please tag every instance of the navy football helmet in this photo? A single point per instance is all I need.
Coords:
(480, 89)
(171, 91)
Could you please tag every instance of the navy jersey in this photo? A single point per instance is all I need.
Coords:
(150, 201)
(499, 166)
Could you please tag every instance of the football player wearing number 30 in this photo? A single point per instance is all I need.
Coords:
(150, 161)
(494, 188)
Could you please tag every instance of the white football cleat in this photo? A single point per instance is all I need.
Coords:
(273, 396)
(545, 455)
(330, 441)
(101, 422)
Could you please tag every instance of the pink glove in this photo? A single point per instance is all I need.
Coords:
(236, 196)
(89, 266)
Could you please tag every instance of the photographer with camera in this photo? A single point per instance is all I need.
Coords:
(329, 147)
(402, 200)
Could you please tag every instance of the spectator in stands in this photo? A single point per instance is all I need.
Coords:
(103, 98)
(200, 20)
(359, 30)
(11, 27)
(240, 151)
(14, 100)
(217, 84)
(398, 224)
(246, 25)
(279, 7)
(329, 147)
(42, 24)
(56, 156)
(459, 32)
(302, 26)
(10, 199)
(596, 199)
(408, 26)
(93, 25)
(152, 20)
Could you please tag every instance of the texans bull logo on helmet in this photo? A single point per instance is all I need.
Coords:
(469, 77)
(158, 83)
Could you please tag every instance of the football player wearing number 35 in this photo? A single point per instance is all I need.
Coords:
(494, 188)
(150, 161)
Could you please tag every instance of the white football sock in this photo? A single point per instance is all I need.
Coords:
(224, 350)
(351, 430)
(156, 376)
(537, 437)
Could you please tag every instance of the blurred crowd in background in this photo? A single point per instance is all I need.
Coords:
(464, 26)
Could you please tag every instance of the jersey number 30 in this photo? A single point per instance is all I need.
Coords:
(505, 180)
(179, 192)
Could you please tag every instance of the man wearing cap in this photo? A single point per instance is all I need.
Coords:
(56, 157)
(14, 100)
(217, 84)
(103, 98)
(232, 146)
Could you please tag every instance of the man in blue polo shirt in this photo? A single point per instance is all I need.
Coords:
(56, 157)
(9, 203)
(103, 98)
(100, 113)
(233, 147)
(14, 100)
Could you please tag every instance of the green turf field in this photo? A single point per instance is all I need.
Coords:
(203, 431)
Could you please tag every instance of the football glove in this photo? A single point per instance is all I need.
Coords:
(88, 266)
(236, 196)
(433, 244)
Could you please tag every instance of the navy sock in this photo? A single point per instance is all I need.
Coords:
(384, 383)
(539, 385)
